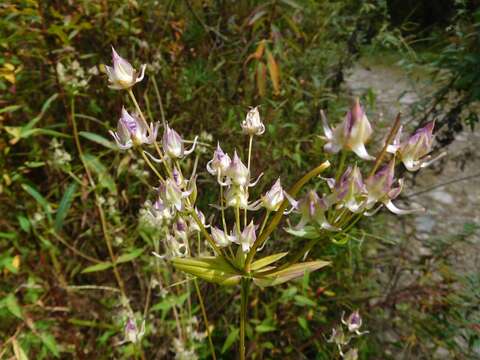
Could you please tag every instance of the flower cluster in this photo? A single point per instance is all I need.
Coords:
(174, 212)
(342, 337)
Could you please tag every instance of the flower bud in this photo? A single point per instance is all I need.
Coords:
(172, 143)
(236, 196)
(132, 333)
(219, 163)
(247, 237)
(350, 191)
(252, 125)
(131, 130)
(413, 151)
(238, 172)
(122, 75)
(353, 322)
(313, 208)
(274, 197)
(171, 194)
(221, 238)
(380, 189)
(351, 354)
(351, 134)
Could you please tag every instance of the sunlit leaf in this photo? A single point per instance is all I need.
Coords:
(292, 272)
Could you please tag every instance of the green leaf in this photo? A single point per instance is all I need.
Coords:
(65, 205)
(98, 267)
(98, 139)
(259, 264)
(230, 340)
(50, 343)
(12, 305)
(104, 178)
(292, 272)
(304, 301)
(212, 269)
(24, 223)
(265, 327)
(130, 256)
(308, 232)
(108, 264)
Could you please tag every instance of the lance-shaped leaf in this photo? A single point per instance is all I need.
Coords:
(212, 269)
(292, 272)
(267, 260)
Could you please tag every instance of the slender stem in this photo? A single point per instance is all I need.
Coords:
(250, 143)
(237, 219)
(147, 160)
(205, 319)
(265, 219)
(343, 157)
(243, 316)
(134, 100)
(278, 215)
(103, 222)
(159, 99)
(390, 137)
(223, 210)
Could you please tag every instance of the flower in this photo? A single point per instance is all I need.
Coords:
(219, 163)
(122, 75)
(351, 134)
(274, 197)
(221, 238)
(353, 322)
(252, 125)
(238, 172)
(247, 237)
(351, 354)
(173, 144)
(236, 196)
(313, 208)
(349, 191)
(132, 333)
(131, 130)
(171, 194)
(380, 189)
(413, 152)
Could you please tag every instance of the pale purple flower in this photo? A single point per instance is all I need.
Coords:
(132, 131)
(380, 188)
(247, 237)
(413, 152)
(219, 163)
(353, 322)
(349, 191)
(173, 144)
(351, 354)
(221, 238)
(274, 197)
(351, 134)
(252, 125)
(132, 333)
(237, 172)
(313, 208)
(122, 75)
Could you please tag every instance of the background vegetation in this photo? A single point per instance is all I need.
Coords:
(208, 62)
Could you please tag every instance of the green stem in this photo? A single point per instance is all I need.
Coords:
(205, 319)
(278, 215)
(391, 136)
(103, 221)
(343, 157)
(147, 160)
(223, 210)
(250, 143)
(243, 316)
